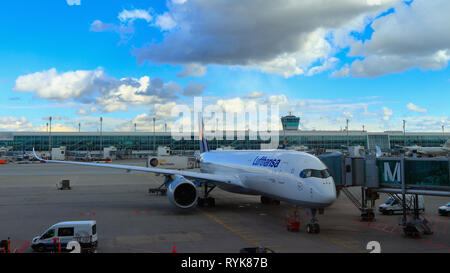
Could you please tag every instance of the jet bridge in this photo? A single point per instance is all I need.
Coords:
(392, 175)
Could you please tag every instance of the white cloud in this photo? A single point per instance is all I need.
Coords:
(387, 113)
(192, 70)
(283, 37)
(277, 99)
(99, 26)
(8, 123)
(93, 109)
(165, 21)
(94, 87)
(133, 91)
(131, 15)
(414, 36)
(73, 2)
(193, 89)
(163, 111)
(411, 106)
(82, 111)
(255, 95)
(50, 84)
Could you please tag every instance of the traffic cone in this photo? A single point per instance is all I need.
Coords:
(174, 250)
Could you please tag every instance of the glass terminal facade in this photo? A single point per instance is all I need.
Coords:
(147, 141)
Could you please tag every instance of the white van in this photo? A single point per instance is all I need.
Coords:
(444, 210)
(84, 232)
(393, 205)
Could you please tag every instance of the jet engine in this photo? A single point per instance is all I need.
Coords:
(182, 193)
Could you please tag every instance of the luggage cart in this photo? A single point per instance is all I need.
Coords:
(293, 221)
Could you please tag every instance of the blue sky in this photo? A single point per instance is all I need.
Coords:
(375, 63)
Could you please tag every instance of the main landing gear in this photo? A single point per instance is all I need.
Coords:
(313, 226)
(205, 200)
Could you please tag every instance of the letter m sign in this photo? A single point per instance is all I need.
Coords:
(390, 176)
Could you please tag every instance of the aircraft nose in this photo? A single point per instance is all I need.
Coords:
(329, 195)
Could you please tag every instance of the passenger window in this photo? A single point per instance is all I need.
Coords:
(62, 232)
(94, 229)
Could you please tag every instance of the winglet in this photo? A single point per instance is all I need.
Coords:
(37, 157)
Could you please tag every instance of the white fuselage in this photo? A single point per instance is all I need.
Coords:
(273, 173)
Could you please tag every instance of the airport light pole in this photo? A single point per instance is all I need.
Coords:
(135, 130)
(50, 137)
(347, 134)
(443, 133)
(101, 134)
(154, 137)
(404, 132)
(217, 128)
(79, 127)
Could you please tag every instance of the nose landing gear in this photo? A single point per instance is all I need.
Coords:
(313, 226)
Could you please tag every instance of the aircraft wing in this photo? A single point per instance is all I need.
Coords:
(204, 177)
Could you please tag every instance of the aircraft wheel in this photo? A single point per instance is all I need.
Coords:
(201, 202)
(265, 200)
(211, 202)
(316, 228)
(40, 248)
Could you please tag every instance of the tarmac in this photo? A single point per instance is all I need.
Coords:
(130, 220)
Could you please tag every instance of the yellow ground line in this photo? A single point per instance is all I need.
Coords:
(341, 244)
(215, 219)
(154, 180)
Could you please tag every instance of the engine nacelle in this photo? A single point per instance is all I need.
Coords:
(182, 193)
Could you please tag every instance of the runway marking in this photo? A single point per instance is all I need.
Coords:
(154, 180)
(425, 241)
(143, 212)
(87, 213)
(23, 247)
(215, 219)
(337, 242)
(445, 229)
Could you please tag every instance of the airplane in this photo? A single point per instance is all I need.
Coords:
(429, 151)
(295, 177)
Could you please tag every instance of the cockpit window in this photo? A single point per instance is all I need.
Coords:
(315, 173)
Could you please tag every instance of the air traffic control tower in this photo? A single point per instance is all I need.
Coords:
(290, 122)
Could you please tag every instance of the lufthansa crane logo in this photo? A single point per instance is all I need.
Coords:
(154, 162)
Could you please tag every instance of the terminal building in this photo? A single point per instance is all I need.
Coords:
(149, 141)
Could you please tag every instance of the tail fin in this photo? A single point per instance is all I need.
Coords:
(201, 136)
